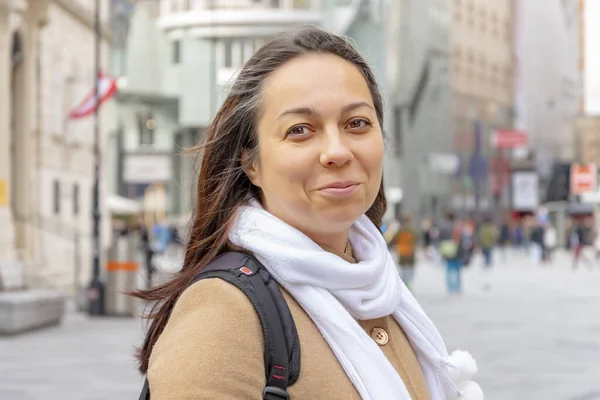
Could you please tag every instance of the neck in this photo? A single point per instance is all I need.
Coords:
(334, 243)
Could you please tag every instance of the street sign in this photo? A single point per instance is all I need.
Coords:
(525, 191)
(444, 163)
(508, 139)
(583, 178)
(147, 168)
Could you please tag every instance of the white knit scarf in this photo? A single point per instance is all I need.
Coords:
(334, 293)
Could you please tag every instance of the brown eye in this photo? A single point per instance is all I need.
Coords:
(298, 130)
(359, 123)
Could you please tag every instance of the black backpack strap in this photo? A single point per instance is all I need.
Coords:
(282, 346)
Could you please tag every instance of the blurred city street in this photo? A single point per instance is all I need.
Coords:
(534, 335)
(126, 127)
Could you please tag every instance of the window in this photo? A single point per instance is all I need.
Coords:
(456, 69)
(507, 73)
(75, 199)
(494, 81)
(507, 31)
(146, 126)
(176, 52)
(56, 195)
(457, 53)
(482, 78)
(482, 61)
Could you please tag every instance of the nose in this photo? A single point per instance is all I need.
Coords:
(335, 151)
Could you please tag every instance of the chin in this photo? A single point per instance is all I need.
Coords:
(336, 217)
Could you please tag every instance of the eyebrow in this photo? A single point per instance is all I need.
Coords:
(311, 111)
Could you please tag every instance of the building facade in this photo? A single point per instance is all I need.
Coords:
(417, 86)
(588, 139)
(482, 71)
(587, 143)
(548, 82)
(46, 170)
(589, 60)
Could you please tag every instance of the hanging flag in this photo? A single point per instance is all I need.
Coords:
(107, 86)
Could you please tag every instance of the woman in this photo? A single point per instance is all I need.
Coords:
(292, 172)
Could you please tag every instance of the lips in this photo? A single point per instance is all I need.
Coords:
(339, 190)
(339, 185)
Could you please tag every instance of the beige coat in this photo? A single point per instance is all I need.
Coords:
(212, 348)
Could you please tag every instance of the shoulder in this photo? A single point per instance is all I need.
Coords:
(212, 340)
(213, 295)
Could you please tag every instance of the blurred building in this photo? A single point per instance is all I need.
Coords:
(46, 163)
(588, 139)
(482, 82)
(587, 146)
(175, 63)
(548, 81)
(590, 56)
(421, 159)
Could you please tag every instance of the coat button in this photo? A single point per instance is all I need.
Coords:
(380, 336)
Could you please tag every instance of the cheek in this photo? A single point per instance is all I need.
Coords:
(373, 153)
(284, 168)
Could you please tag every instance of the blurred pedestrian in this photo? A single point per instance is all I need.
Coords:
(550, 241)
(505, 238)
(147, 250)
(488, 239)
(583, 239)
(452, 251)
(537, 247)
(405, 244)
(291, 180)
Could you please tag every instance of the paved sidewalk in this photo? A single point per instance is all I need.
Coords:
(535, 335)
(79, 360)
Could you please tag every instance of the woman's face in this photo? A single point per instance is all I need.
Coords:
(320, 146)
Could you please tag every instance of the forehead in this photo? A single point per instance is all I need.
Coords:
(315, 80)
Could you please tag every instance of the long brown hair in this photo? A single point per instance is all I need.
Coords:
(222, 183)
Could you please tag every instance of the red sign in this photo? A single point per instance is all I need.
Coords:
(508, 139)
(583, 178)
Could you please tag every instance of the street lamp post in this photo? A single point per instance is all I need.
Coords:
(96, 288)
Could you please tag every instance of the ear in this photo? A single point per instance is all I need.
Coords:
(251, 168)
